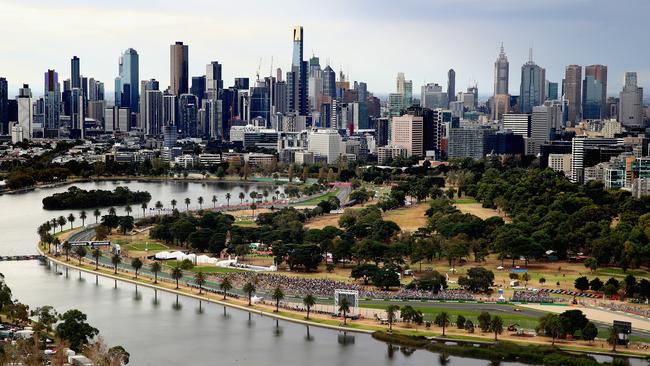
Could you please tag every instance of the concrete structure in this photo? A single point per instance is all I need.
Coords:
(560, 163)
(325, 142)
(631, 102)
(573, 92)
(178, 68)
(407, 131)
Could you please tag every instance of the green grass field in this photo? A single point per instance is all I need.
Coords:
(206, 269)
(316, 200)
(460, 201)
(430, 313)
(152, 247)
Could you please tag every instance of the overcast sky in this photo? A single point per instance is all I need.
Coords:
(372, 40)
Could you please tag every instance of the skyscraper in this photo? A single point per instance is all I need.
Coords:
(75, 73)
(213, 80)
(297, 77)
(25, 110)
(52, 101)
(405, 88)
(573, 91)
(329, 82)
(593, 105)
(533, 82)
(631, 107)
(188, 115)
(4, 106)
(501, 73)
(127, 89)
(451, 86)
(598, 73)
(178, 68)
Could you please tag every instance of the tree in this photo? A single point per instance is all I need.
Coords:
(612, 339)
(241, 198)
(591, 263)
(225, 286)
(214, 201)
(460, 322)
(61, 221)
(112, 211)
(199, 279)
(46, 316)
(187, 204)
(97, 213)
(478, 279)
(496, 326)
(442, 320)
(176, 274)
(71, 219)
(630, 285)
(126, 224)
(159, 207)
(66, 248)
(582, 283)
(116, 260)
(249, 289)
(81, 252)
(155, 268)
(144, 206)
(136, 263)
(174, 203)
(365, 271)
(596, 284)
(83, 216)
(200, 202)
(411, 315)
(97, 253)
(74, 329)
(277, 295)
(551, 325)
(469, 326)
(484, 320)
(128, 209)
(589, 332)
(572, 321)
(309, 301)
(391, 313)
(344, 308)
(385, 278)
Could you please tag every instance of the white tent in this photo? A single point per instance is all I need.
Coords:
(162, 255)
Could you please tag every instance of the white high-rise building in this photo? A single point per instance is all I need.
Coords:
(630, 112)
(407, 131)
(325, 142)
(25, 111)
(433, 97)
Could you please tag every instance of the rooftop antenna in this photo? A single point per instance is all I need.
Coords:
(271, 70)
(530, 55)
(259, 66)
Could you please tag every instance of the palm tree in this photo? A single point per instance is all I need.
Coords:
(177, 274)
(112, 211)
(97, 253)
(97, 213)
(83, 216)
(71, 219)
(266, 195)
(309, 301)
(199, 279)
(249, 289)
(81, 252)
(61, 221)
(174, 204)
(228, 195)
(214, 201)
(66, 248)
(54, 225)
(187, 204)
(144, 206)
(241, 197)
(253, 195)
(225, 286)
(391, 313)
(277, 295)
(155, 268)
(253, 207)
(128, 210)
(344, 307)
(56, 243)
(136, 263)
(496, 326)
(442, 320)
(200, 201)
(116, 259)
(159, 206)
(613, 337)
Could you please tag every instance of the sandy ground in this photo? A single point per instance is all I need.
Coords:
(597, 314)
(477, 209)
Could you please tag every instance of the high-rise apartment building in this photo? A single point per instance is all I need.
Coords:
(4, 106)
(451, 86)
(52, 104)
(408, 131)
(25, 110)
(573, 92)
(75, 72)
(178, 68)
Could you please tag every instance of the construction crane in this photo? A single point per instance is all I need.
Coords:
(259, 66)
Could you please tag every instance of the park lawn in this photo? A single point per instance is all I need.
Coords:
(316, 200)
(409, 218)
(141, 247)
(461, 201)
(618, 273)
(205, 269)
(245, 222)
(430, 313)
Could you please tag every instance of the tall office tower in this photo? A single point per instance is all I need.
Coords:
(242, 83)
(451, 86)
(213, 80)
(278, 75)
(407, 131)
(362, 91)
(25, 110)
(599, 73)
(75, 72)
(198, 88)
(631, 102)
(77, 113)
(52, 107)
(95, 90)
(545, 118)
(280, 96)
(153, 112)
(593, 105)
(314, 67)
(260, 102)
(329, 82)
(433, 97)
(298, 75)
(431, 127)
(4, 106)
(314, 91)
(533, 82)
(169, 110)
(127, 91)
(551, 90)
(178, 68)
(573, 92)
(188, 114)
(405, 88)
(213, 115)
(501, 73)
(580, 146)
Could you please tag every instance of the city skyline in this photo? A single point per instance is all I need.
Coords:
(101, 40)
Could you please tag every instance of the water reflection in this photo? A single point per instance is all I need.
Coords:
(137, 296)
(177, 305)
(199, 310)
(277, 331)
(308, 337)
(345, 340)
(155, 302)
